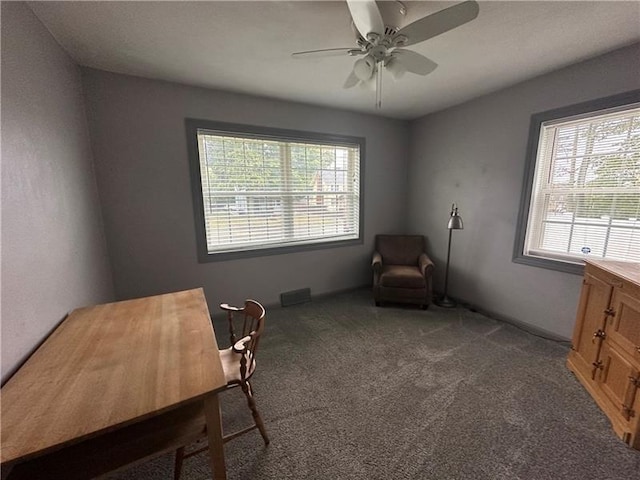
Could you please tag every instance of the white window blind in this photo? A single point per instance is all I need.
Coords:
(586, 193)
(263, 192)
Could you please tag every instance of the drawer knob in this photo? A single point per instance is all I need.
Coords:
(598, 334)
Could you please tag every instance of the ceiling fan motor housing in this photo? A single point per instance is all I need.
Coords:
(378, 52)
(378, 46)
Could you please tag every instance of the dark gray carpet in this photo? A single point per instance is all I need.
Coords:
(351, 391)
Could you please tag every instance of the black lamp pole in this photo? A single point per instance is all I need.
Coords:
(455, 223)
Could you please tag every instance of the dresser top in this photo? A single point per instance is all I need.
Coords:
(627, 270)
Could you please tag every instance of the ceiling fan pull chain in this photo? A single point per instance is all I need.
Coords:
(379, 85)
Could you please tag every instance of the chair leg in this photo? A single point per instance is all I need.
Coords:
(248, 391)
(177, 469)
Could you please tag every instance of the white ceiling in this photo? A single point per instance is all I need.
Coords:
(246, 46)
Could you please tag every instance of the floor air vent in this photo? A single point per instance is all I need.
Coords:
(295, 296)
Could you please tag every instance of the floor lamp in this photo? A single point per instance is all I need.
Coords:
(455, 223)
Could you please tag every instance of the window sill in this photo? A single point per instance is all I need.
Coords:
(206, 257)
(549, 264)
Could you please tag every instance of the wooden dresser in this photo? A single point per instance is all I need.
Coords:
(605, 351)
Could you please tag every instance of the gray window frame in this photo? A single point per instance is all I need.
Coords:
(592, 106)
(192, 125)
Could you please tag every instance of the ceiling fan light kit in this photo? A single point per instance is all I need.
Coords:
(381, 44)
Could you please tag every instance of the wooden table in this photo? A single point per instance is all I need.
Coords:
(115, 384)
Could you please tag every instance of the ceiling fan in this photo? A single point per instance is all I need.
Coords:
(381, 46)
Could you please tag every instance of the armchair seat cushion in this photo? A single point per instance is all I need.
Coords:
(401, 276)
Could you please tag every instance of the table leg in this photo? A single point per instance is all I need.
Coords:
(214, 434)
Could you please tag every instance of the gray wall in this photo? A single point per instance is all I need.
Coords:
(54, 255)
(139, 141)
(474, 154)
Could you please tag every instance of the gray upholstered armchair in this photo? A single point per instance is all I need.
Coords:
(402, 270)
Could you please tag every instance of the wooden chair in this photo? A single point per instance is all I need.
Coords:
(238, 363)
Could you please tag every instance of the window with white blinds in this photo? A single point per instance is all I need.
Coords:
(585, 200)
(261, 191)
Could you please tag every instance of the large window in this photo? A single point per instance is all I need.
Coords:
(583, 191)
(260, 191)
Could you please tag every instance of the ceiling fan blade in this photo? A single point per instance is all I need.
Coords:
(366, 16)
(439, 22)
(328, 52)
(413, 62)
(363, 68)
(351, 81)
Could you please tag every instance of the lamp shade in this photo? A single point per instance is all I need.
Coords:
(396, 68)
(455, 221)
(364, 68)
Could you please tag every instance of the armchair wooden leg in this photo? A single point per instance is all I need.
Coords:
(177, 469)
(248, 391)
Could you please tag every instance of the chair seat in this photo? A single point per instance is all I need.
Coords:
(231, 365)
(401, 276)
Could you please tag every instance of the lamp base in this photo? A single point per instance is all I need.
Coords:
(445, 302)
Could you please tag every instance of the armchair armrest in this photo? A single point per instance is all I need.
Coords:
(230, 311)
(425, 264)
(376, 262)
(229, 308)
(241, 345)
